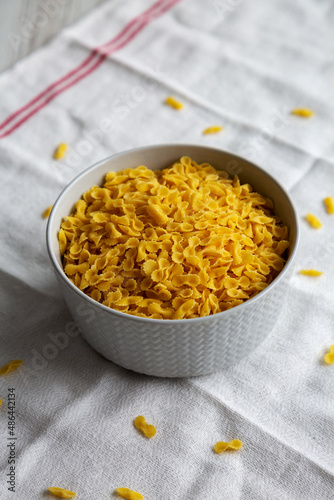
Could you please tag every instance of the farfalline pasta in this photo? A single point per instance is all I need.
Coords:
(329, 356)
(329, 204)
(310, 272)
(148, 430)
(61, 492)
(47, 212)
(174, 103)
(129, 494)
(60, 151)
(313, 221)
(182, 242)
(302, 112)
(212, 130)
(10, 367)
(222, 446)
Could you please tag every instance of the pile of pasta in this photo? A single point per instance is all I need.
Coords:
(182, 242)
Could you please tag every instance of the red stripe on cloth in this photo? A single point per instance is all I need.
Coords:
(94, 54)
(90, 64)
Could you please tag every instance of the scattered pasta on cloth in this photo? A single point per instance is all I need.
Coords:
(310, 272)
(329, 356)
(174, 103)
(147, 429)
(329, 204)
(177, 243)
(60, 151)
(11, 366)
(61, 492)
(129, 494)
(222, 446)
(212, 130)
(313, 221)
(47, 212)
(302, 112)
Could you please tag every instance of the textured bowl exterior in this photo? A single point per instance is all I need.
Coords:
(173, 348)
(177, 350)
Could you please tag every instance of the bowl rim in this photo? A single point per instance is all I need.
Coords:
(127, 316)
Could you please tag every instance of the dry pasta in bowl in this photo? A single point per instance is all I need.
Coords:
(177, 269)
(179, 243)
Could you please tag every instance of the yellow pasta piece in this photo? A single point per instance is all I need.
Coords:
(129, 494)
(313, 221)
(302, 112)
(212, 130)
(149, 266)
(147, 429)
(174, 103)
(221, 446)
(157, 214)
(11, 366)
(179, 243)
(60, 151)
(0, 402)
(185, 309)
(188, 279)
(329, 357)
(329, 204)
(310, 272)
(71, 269)
(61, 493)
(47, 212)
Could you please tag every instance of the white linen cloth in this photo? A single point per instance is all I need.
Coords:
(240, 64)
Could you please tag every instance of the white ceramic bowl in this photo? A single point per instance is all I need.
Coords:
(175, 348)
